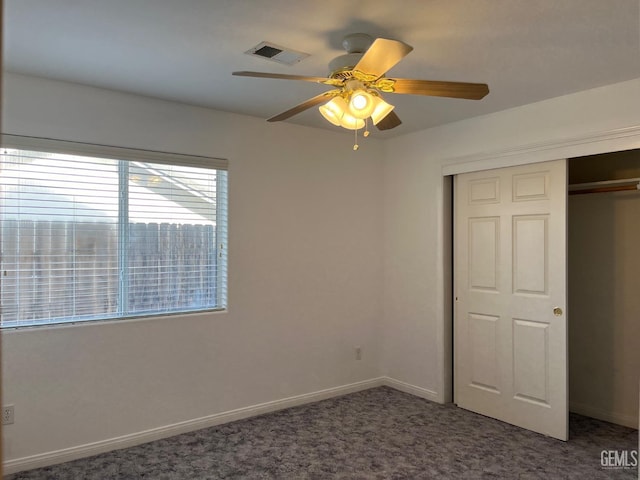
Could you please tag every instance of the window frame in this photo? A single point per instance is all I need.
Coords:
(48, 145)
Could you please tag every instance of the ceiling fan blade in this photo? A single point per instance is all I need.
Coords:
(469, 91)
(312, 102)
(325, 80)
(390, 121)
(381, 56)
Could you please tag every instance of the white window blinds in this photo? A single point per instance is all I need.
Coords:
(109, 233)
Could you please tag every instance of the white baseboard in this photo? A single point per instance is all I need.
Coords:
(412, 389)
(613, 417)
(125, 441)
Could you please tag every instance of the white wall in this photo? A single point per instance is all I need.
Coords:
(414, 328)
(305, 278)
(307, 282)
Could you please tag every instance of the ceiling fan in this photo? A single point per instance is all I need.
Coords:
(358, 78)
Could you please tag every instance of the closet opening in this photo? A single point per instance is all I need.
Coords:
(603, 225)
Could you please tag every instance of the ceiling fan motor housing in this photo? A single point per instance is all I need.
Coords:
(340, 66)
(356, 44)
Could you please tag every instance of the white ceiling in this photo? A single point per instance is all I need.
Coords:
(185, 50)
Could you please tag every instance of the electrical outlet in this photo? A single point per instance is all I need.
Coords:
(7, 415)
(358, 353)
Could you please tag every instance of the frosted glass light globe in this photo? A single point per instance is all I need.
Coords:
(361, 104)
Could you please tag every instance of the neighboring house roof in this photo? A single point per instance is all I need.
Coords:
(157, 193)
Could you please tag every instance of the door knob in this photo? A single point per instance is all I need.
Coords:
(557, 311)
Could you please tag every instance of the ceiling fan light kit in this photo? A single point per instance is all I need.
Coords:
(358, 78)
(351, 123)
(334, 110)
(352, 107)
(361, 103)
(381, 110)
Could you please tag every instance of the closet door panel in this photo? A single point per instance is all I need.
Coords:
(510, 320)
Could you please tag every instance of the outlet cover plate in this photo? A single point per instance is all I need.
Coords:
(7, 414)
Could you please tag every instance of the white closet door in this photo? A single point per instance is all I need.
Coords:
(510, 324)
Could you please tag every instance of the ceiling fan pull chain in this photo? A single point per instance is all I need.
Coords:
(366, 127)
(355, 141)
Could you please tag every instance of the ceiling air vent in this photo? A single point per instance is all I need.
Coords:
(276, 53)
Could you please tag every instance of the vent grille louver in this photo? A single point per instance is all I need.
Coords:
(267, 51)
(277, 53)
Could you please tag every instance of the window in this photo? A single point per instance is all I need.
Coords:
(93, 233)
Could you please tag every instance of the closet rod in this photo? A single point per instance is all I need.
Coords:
(606, 186)
(620, 188)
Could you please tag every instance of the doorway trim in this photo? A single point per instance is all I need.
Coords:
(626, 138)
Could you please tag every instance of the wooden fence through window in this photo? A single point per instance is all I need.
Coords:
(54, 270)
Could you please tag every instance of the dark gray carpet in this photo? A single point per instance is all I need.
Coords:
(376, 434)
